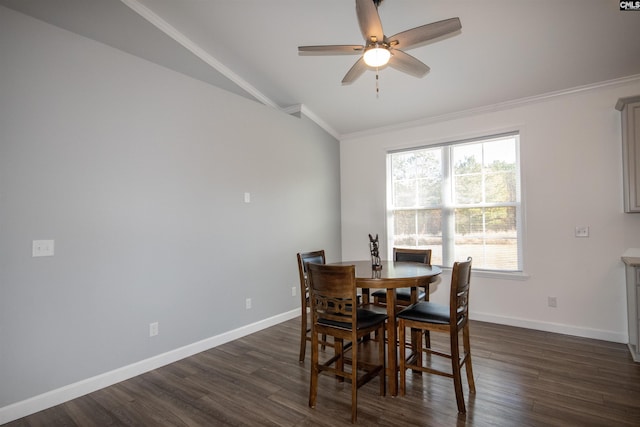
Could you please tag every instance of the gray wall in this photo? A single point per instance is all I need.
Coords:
(138, 173)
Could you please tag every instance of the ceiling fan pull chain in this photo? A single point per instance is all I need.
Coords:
(377, 85)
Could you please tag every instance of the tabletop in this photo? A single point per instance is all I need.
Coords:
(394, 274)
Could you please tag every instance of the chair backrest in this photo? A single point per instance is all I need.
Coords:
(332, 292)
(412, 255)
(304, 258)
(460, 280)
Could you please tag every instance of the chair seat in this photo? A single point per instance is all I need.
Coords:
(403, 294)
(366, 319)
(427, 312)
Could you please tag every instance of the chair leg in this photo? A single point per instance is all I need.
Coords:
(402, 357)
(469, 366)
(457, 379)
(339, 351)
(416, 348)
(427, 334)
(313, 384)
(427, 339)
(303, 336)
(354, 380)
(382, 360)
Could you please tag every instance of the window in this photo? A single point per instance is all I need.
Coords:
(459, 199)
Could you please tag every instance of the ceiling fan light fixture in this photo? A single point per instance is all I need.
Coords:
(376, 56)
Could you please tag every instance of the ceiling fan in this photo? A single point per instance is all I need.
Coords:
(380, 50)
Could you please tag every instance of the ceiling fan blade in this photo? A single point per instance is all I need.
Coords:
(356, 71)
(407, 64)
(331, 50)
(369, 20)
(424, 33)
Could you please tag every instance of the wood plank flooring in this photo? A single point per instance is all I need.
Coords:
(523, 378)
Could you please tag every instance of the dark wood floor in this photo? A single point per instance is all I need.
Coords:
(523, 378)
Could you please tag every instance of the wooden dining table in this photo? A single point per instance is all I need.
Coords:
(392, 276)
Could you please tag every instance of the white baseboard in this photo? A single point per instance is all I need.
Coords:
(558, 328)
(72, 391)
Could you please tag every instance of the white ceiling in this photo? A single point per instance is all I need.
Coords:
(507, 50)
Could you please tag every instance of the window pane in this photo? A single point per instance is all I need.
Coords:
(430, 173)
(500, 170)
(469, 221)
(403, 165)
(430, 191)
(489, 235)
(500, 186)
(468, 189)
(419, 229)
(467, 159)
(404, 223)
(404, 193)
(417, 178)
(501, 150)
(467, 166)
(429, 224)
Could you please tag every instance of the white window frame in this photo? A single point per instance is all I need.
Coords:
(518, 274)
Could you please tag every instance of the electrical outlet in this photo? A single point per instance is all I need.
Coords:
(293, 291)
(42, 248)
(552, 302)
(247, 303)
(153, 329)
(582, 231)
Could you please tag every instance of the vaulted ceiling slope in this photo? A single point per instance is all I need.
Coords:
(506, 51)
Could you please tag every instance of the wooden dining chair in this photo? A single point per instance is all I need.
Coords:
(335, 313)
(403, 295)
(450, 319)
(304, 258)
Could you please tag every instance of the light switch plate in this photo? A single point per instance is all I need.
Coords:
(153, 329)
(42, 248)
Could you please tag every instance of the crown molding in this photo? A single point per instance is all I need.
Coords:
(491, 108)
